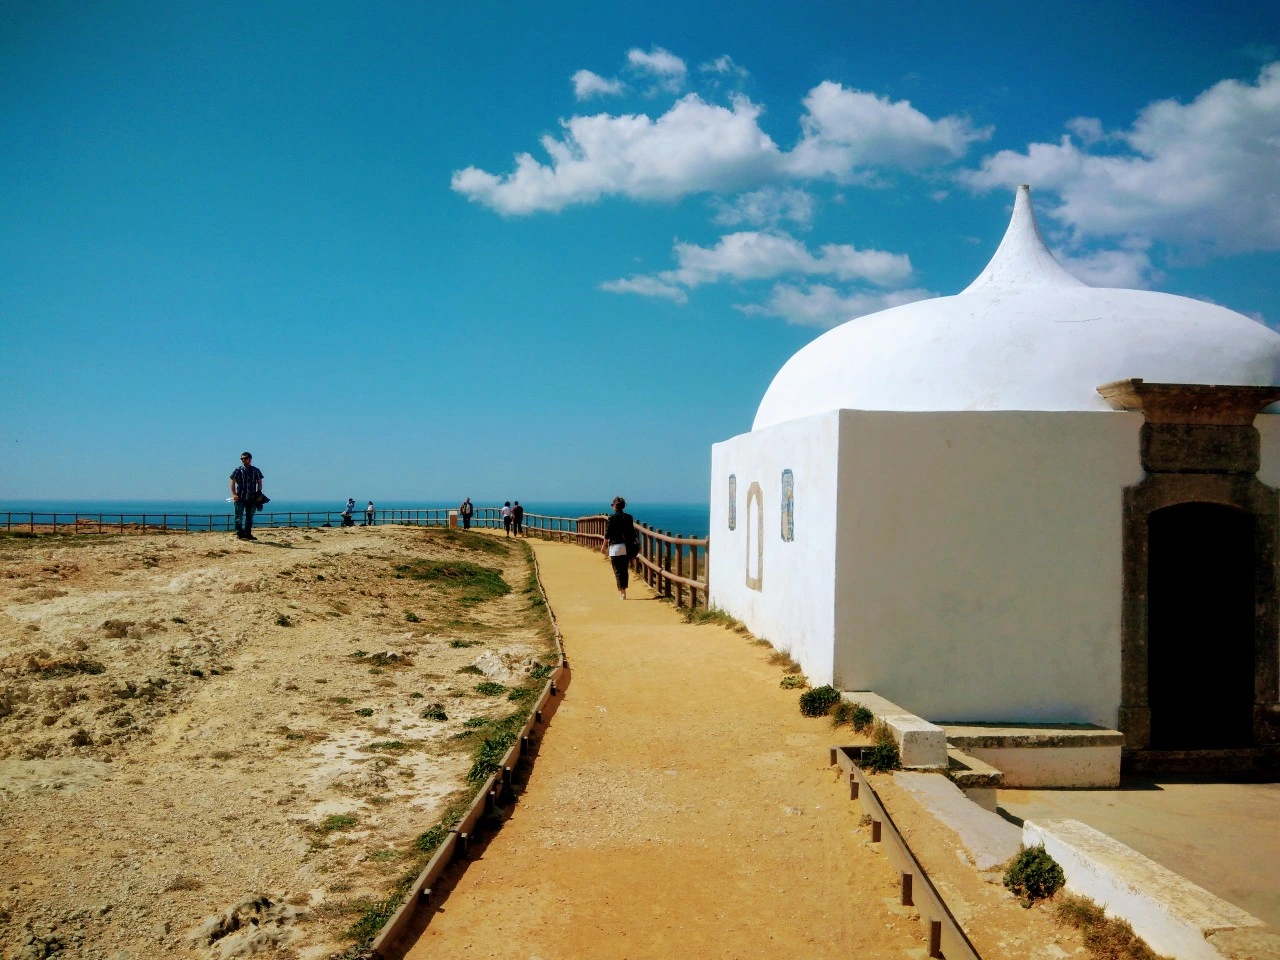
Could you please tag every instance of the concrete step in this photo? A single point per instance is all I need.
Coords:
(1043, 754)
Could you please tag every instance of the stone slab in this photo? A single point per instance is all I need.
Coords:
(1175, 916)
(920, 743)
(1044, 755)
(989, 838)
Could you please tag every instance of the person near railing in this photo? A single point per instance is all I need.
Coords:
(621, 543)
(246, 487)
(368, 514)
(465, 509)
(517, 519)
(506, 517)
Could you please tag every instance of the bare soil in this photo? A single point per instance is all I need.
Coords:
(210, 747)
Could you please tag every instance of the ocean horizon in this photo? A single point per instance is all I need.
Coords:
(686, 519)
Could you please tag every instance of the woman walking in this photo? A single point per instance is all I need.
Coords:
(620, 542)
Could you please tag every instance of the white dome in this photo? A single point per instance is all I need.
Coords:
(1026, 335)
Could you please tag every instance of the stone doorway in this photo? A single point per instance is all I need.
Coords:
(1200, 621)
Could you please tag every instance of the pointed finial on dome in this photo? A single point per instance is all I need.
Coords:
(1022, 259)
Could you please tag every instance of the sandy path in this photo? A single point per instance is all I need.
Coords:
(680, 806)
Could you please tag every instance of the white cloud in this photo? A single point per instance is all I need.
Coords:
(665, 67)
(725, 66)
(766, 207)
(1201, 177)
(646, 287)
(1088, 130)
(587, 84)
(848, 130)
(820, 305)
(695, 146)
(1130, 268)
(751, 255)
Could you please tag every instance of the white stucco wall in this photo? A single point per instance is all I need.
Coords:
(794, 607)
(980, 561)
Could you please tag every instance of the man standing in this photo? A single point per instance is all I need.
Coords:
(246, 485)
(465, 509)
(517, 518)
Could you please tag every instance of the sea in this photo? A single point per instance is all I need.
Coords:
(683, 519)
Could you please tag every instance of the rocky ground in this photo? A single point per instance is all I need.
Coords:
(210, 747)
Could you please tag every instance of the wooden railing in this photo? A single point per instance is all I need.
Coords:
(674, 566)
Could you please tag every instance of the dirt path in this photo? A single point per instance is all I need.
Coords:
(680, 806)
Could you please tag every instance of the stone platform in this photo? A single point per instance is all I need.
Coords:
(1043, 755)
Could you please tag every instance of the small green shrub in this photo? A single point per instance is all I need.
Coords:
(475, 723)
(364, 712)
(881, 757)
(412, 617)
(541, 672)
(463, 644)
(283, 620)
(841, 713)
(819, 701)
(490, 688)
(855, 714)
(471, 668)
(415, 695)
(793, 681)
(434, 712)
(861, 718)
(1034, 875)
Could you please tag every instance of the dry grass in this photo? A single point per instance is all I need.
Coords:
(784, 660)
(716, 616)
(1106, 938)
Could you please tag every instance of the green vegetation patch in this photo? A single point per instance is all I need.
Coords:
(855, 714)
(793, 681)
(336, 821)
(471, 582)
(1034, 875)
(467, 540)
(488, 755)
(490, 688)
(819, 701)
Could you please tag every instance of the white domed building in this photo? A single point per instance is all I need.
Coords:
(1033, 501)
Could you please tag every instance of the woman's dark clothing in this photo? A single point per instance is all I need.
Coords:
(621, 571)
(620, 528)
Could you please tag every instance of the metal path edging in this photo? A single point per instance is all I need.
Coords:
(946, 937)
(496, 788)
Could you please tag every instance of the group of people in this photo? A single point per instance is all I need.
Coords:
(513, 519)
(349, 513)
(622, 542)
(512, 516)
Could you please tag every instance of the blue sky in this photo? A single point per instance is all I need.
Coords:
(555, 251)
